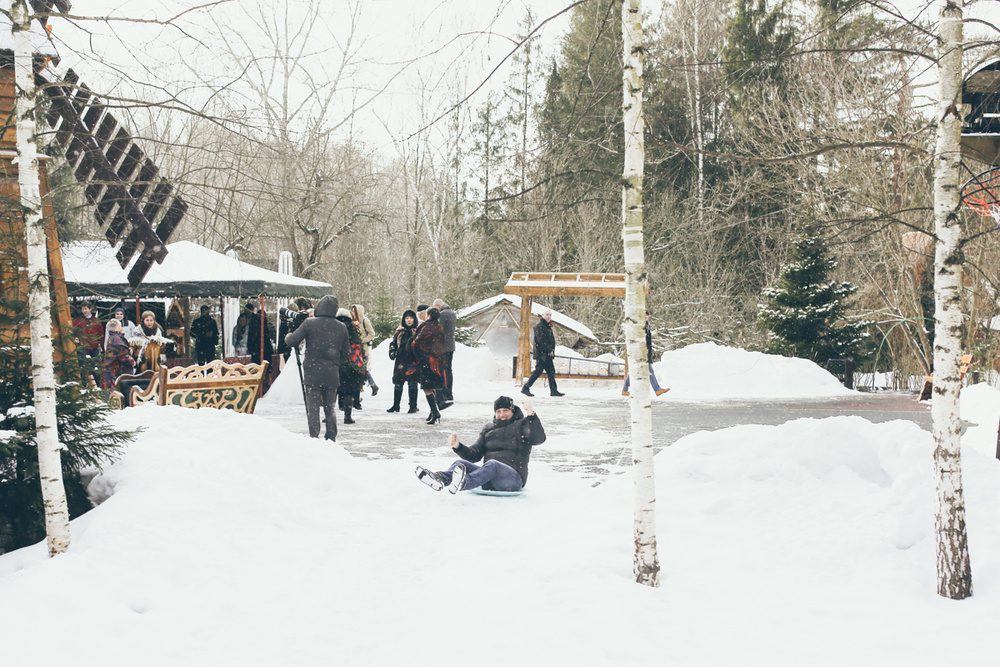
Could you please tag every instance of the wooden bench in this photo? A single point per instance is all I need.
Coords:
(214, 385)
(925, 393)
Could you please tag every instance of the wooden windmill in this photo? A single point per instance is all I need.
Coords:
(134, 206)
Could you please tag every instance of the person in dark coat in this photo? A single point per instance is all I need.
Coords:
(287, 325)
(544, 353)
(254, 337)
(352, 372)
(428, 355)
(327, 348)
(448, 322)
(205, 332)
(504, 447)
(649, 360)
(402, 356)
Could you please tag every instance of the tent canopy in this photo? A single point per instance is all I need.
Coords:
(188, 270)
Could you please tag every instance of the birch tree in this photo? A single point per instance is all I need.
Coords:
(42, 371)
(646, 566)
(953, 569)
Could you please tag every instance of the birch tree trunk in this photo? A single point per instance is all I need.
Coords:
(646, 565)
(43, 376)
(953, 569)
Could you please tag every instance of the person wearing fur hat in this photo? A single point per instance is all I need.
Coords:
(504, 446)
(402, 356)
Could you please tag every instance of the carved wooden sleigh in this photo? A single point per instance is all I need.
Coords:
(214, 385)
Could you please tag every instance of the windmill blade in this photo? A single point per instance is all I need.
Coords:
(120, 180)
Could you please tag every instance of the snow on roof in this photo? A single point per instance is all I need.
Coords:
(536, 309)
(41, 43)
(188, 270)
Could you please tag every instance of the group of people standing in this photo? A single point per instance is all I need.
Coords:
(335, 366)
(423, 349)
(117, 346)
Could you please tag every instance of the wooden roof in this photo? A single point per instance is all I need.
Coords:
(566, 284)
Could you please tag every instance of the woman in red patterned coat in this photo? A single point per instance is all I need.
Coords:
(428, 360)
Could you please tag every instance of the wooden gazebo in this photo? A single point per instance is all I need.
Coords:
(530, 285)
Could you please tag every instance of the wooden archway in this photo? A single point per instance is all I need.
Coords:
(529, 285)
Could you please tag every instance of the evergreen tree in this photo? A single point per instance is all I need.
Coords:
(87, 438)
(805, 316)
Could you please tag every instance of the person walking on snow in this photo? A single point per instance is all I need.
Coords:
(367, 332)
(544, 353)
(504, 446)
(649, 360)
(448, 322)
(327, 348)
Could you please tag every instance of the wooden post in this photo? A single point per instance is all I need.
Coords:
(524, 340)
(223, 336)
(263, 330)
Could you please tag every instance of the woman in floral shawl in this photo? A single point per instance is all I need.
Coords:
(117, 359)
(428, 360)
(352, 372)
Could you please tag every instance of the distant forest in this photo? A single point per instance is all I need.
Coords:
(766, 121)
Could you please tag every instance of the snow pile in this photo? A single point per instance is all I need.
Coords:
(225, 539)
(707, 370)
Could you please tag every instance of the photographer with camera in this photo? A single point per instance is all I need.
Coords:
(327, 348)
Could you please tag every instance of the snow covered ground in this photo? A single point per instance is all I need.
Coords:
(225, 539)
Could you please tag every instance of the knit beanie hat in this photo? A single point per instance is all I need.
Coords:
(504, 402)
(148, 313)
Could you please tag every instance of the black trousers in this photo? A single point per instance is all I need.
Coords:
(450, 380)
(548, 366)
(205, 355)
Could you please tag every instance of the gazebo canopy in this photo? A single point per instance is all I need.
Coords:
(188, 270)
(528, 285)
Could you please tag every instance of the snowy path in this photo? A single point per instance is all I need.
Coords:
(597, 409)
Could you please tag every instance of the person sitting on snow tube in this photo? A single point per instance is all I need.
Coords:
(504, 446)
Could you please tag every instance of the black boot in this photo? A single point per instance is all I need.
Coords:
(347, 413)
(397, 394)
(435, 416)
(412, 392)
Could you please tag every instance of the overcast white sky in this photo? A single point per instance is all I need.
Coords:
(430, 45)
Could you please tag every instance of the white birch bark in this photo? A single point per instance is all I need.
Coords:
(953, 569)
(43, 375)
(646, 566)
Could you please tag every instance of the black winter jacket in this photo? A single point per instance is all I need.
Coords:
(545, 340)
(399, 349)
(327, 345)
(205, 332)
(509, 442)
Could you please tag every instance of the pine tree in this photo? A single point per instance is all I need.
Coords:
(87, 439)
(805, 315)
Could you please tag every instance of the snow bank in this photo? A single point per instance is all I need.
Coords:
(707, 370)
(224, 539)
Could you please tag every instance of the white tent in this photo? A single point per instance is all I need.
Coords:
(189, 270)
